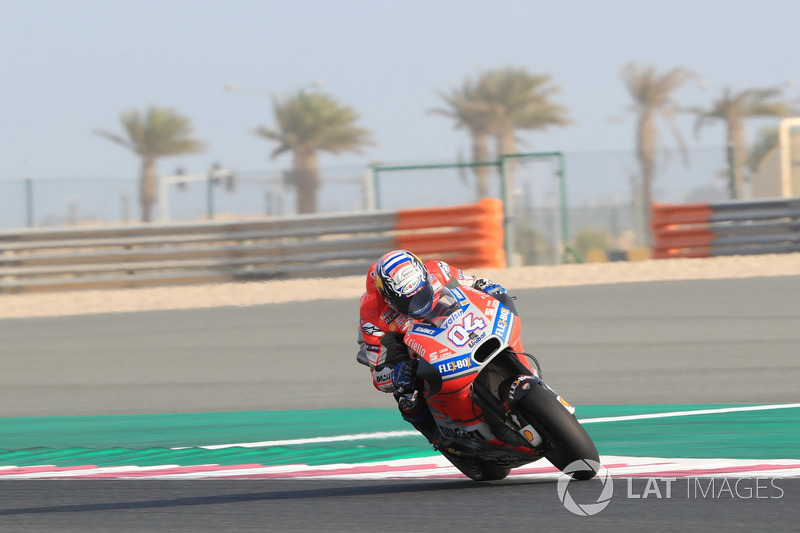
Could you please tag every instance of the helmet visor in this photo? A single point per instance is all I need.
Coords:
(418, 304)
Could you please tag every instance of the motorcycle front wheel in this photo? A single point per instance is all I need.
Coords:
(565, 440)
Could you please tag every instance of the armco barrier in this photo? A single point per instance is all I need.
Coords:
(726, 228)
(469, 236)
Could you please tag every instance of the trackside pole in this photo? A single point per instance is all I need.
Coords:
(29, 201)
(506, 195)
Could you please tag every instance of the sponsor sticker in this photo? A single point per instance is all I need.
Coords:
(389, 315)
(462, 433)
(425, 330)
(457, 365)
(502, 324)
(371, 329)
(462, 299)
(416, 347)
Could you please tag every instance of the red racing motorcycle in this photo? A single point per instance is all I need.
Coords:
(491, 407)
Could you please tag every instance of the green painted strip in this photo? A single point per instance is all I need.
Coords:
(145, 440)
(200, 429)
(744, 435)
(191, 429)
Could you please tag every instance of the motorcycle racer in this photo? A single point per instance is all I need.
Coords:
(401, 289)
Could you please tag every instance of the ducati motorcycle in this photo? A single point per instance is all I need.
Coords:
(491, 407)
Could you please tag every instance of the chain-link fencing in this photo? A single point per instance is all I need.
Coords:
(599, 205)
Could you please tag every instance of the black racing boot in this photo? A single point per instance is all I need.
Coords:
(415, 411)
(427, 426)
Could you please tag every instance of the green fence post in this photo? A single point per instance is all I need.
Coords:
(376, 187)
(568, 251)
(508, 229)
(210, 197)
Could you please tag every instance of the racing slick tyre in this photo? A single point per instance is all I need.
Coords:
(476, 469)
(565, 440)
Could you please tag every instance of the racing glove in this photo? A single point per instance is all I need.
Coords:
(410, 404)
(489, 287)
(404, 374)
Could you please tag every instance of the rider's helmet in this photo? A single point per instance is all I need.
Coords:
(403, 281)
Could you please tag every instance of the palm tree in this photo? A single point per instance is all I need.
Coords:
(499, 103)
(307, 123)
(470, 113)
(519, 100)
(158, 132)
(652, 99)
(733, 109)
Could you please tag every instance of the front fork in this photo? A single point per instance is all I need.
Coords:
(510, 395)
(502, 414)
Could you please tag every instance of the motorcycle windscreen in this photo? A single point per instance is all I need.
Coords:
(444, 305)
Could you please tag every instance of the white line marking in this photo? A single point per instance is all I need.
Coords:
(393, 434)
(313, 440)
(439, 467)
(690, 413)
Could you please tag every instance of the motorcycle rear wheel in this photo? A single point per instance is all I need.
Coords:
(565, 439)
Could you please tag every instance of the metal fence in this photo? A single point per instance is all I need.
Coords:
(601, 195)
(50, 202)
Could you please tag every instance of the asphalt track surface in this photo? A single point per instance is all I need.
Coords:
(723, 341)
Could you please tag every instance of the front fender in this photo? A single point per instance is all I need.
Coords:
(518, 388)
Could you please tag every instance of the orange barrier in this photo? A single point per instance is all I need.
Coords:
(666, 214)
(466, 236)
(730, 227)
(681, 230)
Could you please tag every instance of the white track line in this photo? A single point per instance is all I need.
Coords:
(289, 442)
(436, 467)
(394, 434)
(721, 410)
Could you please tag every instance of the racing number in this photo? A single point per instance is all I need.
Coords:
(459, 333)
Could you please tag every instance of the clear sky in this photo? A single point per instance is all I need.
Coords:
(71, 66)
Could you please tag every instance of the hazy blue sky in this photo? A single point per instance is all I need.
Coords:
(71, 66)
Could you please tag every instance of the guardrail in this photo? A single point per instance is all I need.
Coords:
(726, 228)
(468, 236)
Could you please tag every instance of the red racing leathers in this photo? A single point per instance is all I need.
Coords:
(381, 328)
